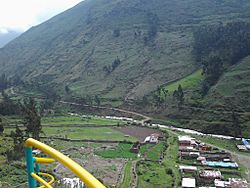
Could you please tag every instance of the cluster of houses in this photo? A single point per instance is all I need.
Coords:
(205, 162)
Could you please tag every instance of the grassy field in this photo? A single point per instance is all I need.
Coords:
(153, 175)
(76, 120)
(14, 173)
(166, 174)
(127, 175)
(122, 151)
(67, 120)
(189, 82)
(155, 152)
(92, 133)
(170, 161)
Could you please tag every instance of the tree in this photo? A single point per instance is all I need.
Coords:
(213, 69)
(32, 119)
(179, 96)
(157, 97)
(7, 106)
(116, 32)
(236, 125)
(116, 63)
(165, 94)
(3, 82)
(18, 149)
(97, 100)
(1, 126)
(67, 89)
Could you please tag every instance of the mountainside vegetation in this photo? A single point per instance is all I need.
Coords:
(118, 49)
(187, 61)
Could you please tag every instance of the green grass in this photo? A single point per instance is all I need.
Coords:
(127, 175)
(153, 175)
(75, 120)
(92, 133)
(171, 159)
(155, 153)
(189, 82)
(122, 151)
(14, 173)
(144, 148)
(166, 174)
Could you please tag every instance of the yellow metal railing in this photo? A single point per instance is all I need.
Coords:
(89, 180)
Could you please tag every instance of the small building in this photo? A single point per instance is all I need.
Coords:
(188, 169)
(210, 175)
(185, 140)
(205, 147)
(216, 156)
(188, 182)
(186, 148)
(238, 183)
(201, 158)
(242, 148)
(246, 143)
(220, 164)
(194, 144)
(136, 147)
(220, 183)
(232, 183)
(153, 139)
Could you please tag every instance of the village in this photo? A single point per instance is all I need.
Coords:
(206, 166)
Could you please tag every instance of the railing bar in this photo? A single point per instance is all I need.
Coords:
(42, 181)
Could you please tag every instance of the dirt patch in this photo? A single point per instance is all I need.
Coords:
(109, 171)
(139, 132)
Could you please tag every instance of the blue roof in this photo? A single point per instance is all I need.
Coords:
(245, 142)
(221, 164)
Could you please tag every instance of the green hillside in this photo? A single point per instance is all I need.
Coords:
(117, 49)
(224, 110)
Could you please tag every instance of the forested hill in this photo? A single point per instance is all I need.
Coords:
(117, 49)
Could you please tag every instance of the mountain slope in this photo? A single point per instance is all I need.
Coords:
(151, 41)
(224, 110)
(6, 36)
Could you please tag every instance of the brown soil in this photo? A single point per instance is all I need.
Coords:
(109, 171)
(139, 132)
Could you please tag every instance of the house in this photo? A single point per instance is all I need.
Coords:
(201, 158)
(242, 148)
(220, 183)
(232, 183)
(210, 175)
(205, 147)
(238, 183)
(246, 143)
(188, 182)
(136, 147)
(186, 148)
(188, 169)
(153, 139)
(189, 155)
(220, 164)
(185, 140)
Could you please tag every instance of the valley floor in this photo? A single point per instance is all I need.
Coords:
(104, 150)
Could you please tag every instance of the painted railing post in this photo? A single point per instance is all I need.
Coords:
(30, 166)
(37, 171)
